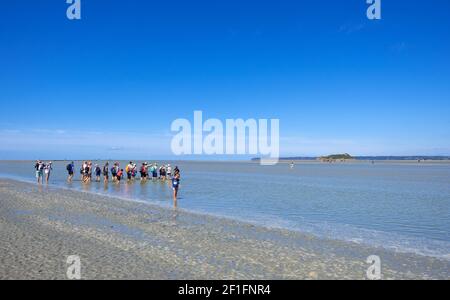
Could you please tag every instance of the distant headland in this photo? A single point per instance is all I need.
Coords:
(348, 157)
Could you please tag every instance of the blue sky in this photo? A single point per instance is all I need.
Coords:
(110, 85)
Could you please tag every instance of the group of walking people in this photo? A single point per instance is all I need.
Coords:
(117, 174)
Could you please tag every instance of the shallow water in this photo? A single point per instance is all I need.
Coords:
(405, 207)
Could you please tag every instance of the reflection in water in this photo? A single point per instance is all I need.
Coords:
(128, 190)
(116, 187)
(175, 216)
(86, 186)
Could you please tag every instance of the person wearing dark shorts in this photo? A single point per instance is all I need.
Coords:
(106, 172)
(175, 187)
(129, 170)
(162, 173)
(144, 171)
(119, 175)
(98, 173)
(155, 172)
(114, 171)
(70, 171)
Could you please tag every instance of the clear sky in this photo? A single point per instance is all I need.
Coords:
(110, 85)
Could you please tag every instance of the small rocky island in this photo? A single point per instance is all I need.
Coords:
(336, 157)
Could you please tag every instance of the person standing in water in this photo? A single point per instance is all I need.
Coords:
(169, 172)
(90, 171)
(98, 173)
(47, 170)
(70, 171)
(119, 175)
(106, 172)
(134, 171)
(129, 170)
(114, 171)
(83, 167)
(162, 173)
(175, 187)
(39, 167)
(144, 172)
(154, 170)
(87, 173)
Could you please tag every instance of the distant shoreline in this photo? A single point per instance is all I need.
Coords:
(365, 158)
(257, 160)
(360, 161)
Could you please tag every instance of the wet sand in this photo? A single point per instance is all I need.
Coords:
(116, 239)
